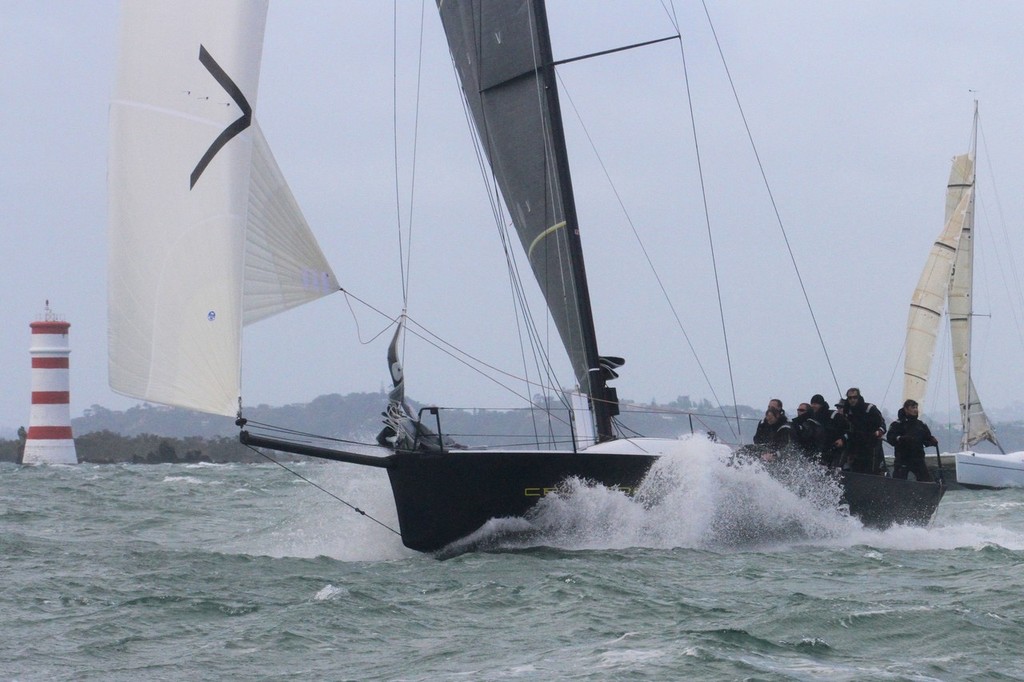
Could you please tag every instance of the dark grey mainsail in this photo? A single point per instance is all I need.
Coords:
(502, 52)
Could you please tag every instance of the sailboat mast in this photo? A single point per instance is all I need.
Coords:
(975, 422)
(969, 321)
(603, 398)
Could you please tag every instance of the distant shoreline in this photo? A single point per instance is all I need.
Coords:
(157, 433)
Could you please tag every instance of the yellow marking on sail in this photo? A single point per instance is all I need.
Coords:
(542, 235)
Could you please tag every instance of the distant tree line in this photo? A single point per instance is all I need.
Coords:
(157, 434)
(10, 450)
(107, 447)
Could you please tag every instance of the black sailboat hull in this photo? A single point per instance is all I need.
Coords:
(445, 496)
(441, 498)
(880, 502)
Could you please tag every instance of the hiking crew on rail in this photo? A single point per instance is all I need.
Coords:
(848, 437)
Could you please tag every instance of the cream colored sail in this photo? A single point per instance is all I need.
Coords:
(204, 234)
(947, 284)
(975, 423)
(929, 300)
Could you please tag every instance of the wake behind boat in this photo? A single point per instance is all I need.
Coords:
(206, 238)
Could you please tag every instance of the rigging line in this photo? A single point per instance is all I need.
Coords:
(711, 241)
(503, 235)
(355, 318)
(675, 412)
(771, 197)
(555, 442)
(550, 174)
(394, 144)
(895, 369)
(521, 307)
(700, 422)
(491, 193)
(455, 352)
(1002, 269)
(405, 250)
(405, 254)
(1017, 302)
(324, 490)
(957, 291)
(455, 355)
(643, 249)
(567, 260)
(943, 366)
(415, 149)
(538, 346)
(517, 295)
(490, 184)
(295, 432)
(670, 10)
(463, 357)
(524, 316)
(542, 359)
(613, 50)
(627, 430)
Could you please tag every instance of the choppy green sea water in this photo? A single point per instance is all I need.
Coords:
(246, 572)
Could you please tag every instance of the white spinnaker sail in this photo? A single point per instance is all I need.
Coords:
(929, 299)
(204, 233)
(284, 266)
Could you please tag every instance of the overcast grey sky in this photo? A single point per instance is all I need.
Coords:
(856, 108)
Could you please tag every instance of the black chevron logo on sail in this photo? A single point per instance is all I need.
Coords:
(236, 127)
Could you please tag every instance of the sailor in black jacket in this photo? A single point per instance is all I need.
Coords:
(867, 426)
(773, 433)
(819, 431)
(908, 436)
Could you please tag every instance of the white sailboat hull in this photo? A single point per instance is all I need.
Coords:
(977, 470)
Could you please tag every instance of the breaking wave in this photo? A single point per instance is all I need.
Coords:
(700, 496)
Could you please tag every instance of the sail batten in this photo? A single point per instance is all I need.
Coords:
(205, 235)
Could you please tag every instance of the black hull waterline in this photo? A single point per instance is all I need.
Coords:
(443, 497)
(880, 501)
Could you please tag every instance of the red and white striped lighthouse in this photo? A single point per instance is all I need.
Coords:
(49, 431)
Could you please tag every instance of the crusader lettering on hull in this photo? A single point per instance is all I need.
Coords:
(541, 492)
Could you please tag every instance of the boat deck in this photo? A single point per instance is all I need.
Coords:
(948, 468)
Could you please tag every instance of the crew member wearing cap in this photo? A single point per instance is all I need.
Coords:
(821, 431)
(908, 435)
(840, 426)
(867, 426)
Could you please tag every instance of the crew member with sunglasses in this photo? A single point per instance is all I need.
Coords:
(867, 427)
